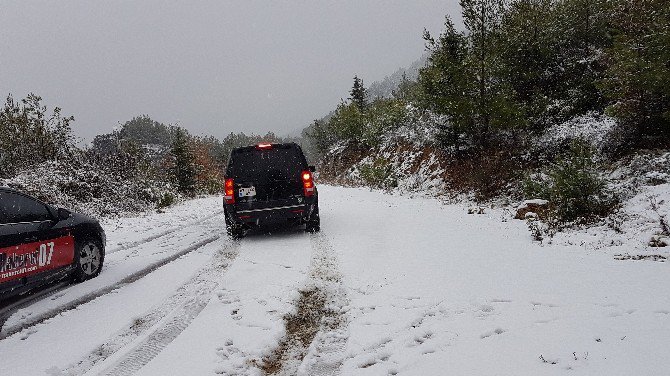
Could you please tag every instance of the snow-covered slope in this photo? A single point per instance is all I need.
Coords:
(392, 286)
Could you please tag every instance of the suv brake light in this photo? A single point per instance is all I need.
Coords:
(264, 146)
(229, 194)
(307, 183)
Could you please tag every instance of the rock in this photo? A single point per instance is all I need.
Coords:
(537, 207)
(476, 210)
(658, 241)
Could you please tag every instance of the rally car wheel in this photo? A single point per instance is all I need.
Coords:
(88, 260)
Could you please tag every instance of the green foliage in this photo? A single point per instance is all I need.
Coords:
(359, 120)
(446, 80)
(145, 131)
(490, 94)
(379, 174)
(166, 200)
(573, 186)
(383, 116)
(348, 122)
(529, 52)
(536, 186)
(407, 91)
(637, 79)
(358, 94)
(320, 135)
(582, 33)
(522, 66)
(184, 163)
(30, 136)
(463, 77)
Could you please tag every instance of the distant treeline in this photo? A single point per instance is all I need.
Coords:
(524, 65)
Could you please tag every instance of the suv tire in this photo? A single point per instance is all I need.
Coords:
(314, 222)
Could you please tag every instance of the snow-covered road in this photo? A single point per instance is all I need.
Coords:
(391, 286)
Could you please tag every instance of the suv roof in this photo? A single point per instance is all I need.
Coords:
(266, 146)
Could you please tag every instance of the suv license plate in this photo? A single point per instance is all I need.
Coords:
(247, 192)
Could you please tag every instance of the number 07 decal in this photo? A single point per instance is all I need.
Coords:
(32, 258)
(46, 255)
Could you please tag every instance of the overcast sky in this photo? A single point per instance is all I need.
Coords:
(213, 67)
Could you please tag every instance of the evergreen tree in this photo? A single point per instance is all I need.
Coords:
(321, 136)
(493, 107)
(638, 73)
(407, 90)
(358, 94)
(446, 83)
(348, 122)
(528, 40)
(184, 163)
(582, 30)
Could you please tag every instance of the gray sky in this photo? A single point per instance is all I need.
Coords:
(211, 66)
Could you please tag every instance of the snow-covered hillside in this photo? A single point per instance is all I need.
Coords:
(392, 285)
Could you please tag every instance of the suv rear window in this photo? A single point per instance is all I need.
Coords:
(278, 162)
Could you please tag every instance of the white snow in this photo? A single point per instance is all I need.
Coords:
(413, 287)
(596, 129)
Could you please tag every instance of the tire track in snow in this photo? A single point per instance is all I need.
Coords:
(51, 313)
(327, 351)
(185, 305)
(317, 333)
(137, 243)
(13, 305)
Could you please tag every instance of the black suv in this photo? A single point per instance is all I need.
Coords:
(269, 184)
(40, 244)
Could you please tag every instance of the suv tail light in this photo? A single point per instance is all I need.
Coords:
(229, 193)
(307, 183)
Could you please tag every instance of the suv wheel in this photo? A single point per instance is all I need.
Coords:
(234, 230)
(314, 222)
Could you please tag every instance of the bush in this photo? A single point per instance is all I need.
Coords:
(382, 117)
(168, 199)
(574, 187)
(29, 135)
(91, 188)
(379, 174)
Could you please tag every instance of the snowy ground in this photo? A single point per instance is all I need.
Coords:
(391, 286)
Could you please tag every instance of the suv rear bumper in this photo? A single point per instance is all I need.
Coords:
(260, 214)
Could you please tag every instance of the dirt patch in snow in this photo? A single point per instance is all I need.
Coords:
(301, 328)
(316, 329)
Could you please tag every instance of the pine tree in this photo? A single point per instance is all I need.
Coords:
(446, 83)
(528, 50)
(321, 136)
(407, 90)
(184, 163)
(492, 96)
(638, 74)
(358, 94)
(582, 30)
